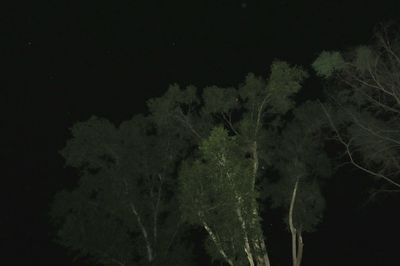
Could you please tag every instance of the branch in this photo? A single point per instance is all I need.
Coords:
(255, 164)
(260, 109)
(184, 120)
(144, 232)
(141, 226)
(385, 106)
(117, 262)
(347, 146)
(229, 122)
(171, 240)
(156, 209)
(216, 242)
(372, 131)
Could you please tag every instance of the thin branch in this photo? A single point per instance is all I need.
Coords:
(189, 126)
(216, 242)
(141, 226)
(144, 232)
(260, 109)
(229, 122)
(117, 262)
(373, 132)
(156, 208)
(385, 106)
(171, 240)
(347, 146)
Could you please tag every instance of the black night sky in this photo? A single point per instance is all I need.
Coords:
(66, 61)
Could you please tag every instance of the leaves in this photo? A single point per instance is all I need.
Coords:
(327, 63)
(298, 153)
(221, 142)
(364, 59)
(284, 82)
(122, 207)
(219, 100)
(93, 142)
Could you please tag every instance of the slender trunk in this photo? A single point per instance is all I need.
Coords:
(297, 240)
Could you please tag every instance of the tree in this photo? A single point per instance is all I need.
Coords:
(220, 183)
(210, 152)
(123, 212)
(297, 153)
(365, 104)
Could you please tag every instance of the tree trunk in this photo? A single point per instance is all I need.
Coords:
(297, 240)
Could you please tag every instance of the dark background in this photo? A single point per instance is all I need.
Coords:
(67, 60)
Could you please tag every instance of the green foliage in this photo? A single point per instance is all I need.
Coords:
(214, 178)
(219, 100)
(252, 91)
(91, 231)
(364, 58)
(298, 153)
(210, 187)
(95, 138)
(127, 174)
(327, 63)
(172, 108)
(283, 83)
(221, 142)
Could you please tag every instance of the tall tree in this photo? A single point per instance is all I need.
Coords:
(123, 212)
(222, 140)
(220, 182)
(365, 104)
(297, 153)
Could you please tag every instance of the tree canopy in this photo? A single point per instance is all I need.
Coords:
(212, 158)
(200, 150)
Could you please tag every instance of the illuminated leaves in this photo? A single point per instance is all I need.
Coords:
(327, 63)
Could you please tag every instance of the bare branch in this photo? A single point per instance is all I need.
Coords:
(347, 146)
